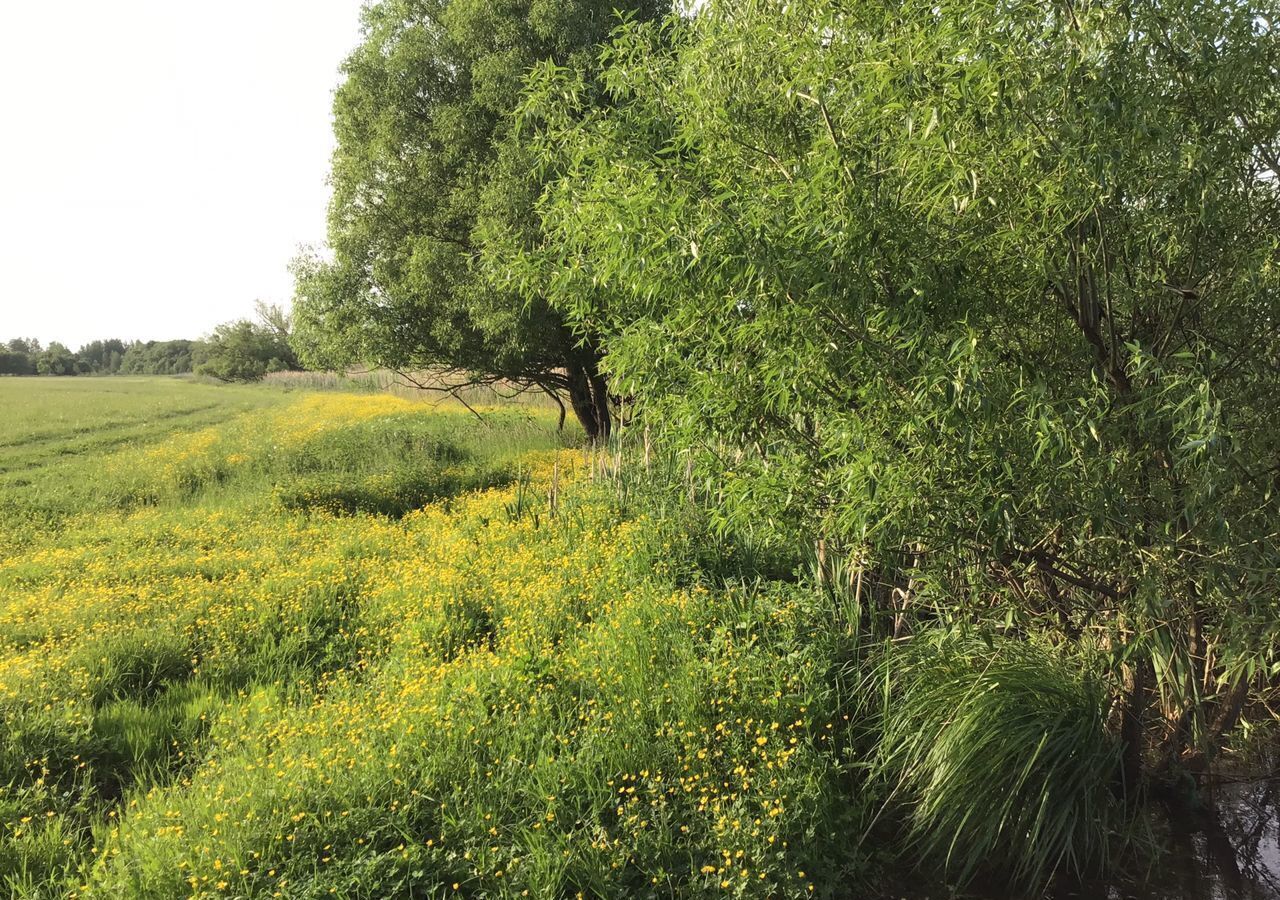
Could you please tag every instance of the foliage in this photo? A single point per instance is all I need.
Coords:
(981, 297)
(101, 357)
(109, 357)
(56, 359)
(274, 317)
(13, 362)
(160, 357)
(29, 346)
(18, 356)
(427, 167)
(245, 351)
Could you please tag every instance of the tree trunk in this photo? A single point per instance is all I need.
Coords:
(600, 397)
(1126, 722)
(1228, 714)
(589, 396)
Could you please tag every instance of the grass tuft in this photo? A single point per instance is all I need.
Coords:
(997, 759)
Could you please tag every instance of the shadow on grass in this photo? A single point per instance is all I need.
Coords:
(390, 494)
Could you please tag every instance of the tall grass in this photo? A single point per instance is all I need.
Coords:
(522, 690)
(997, 760)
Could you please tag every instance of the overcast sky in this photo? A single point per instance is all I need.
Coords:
(160, 161)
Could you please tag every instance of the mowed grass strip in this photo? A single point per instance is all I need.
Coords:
(61, 433)
(42, 415)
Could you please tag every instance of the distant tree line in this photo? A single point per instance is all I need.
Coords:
(27, 356)
(243, 350)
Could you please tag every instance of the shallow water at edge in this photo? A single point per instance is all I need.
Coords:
(1230, 850)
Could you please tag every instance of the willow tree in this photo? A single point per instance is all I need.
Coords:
(984, 296)
(427, 165)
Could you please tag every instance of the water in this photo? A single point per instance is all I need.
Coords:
(1228, 850)
(1233, 851)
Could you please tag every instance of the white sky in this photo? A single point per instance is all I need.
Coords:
(161, 161)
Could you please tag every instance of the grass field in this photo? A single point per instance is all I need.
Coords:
(268, 643)
(333, 645)
(49, 419)
(60, 431)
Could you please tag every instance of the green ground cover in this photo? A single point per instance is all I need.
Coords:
(323, 644)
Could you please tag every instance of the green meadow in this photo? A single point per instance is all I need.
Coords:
(258, 643)
(267, 643)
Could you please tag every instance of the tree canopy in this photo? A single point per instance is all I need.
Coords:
(981, 297)
(429, 168)
(161, 357)
(56, 359)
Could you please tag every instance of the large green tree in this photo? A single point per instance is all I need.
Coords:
(429, 168)
(16, 362)
(983, 297)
